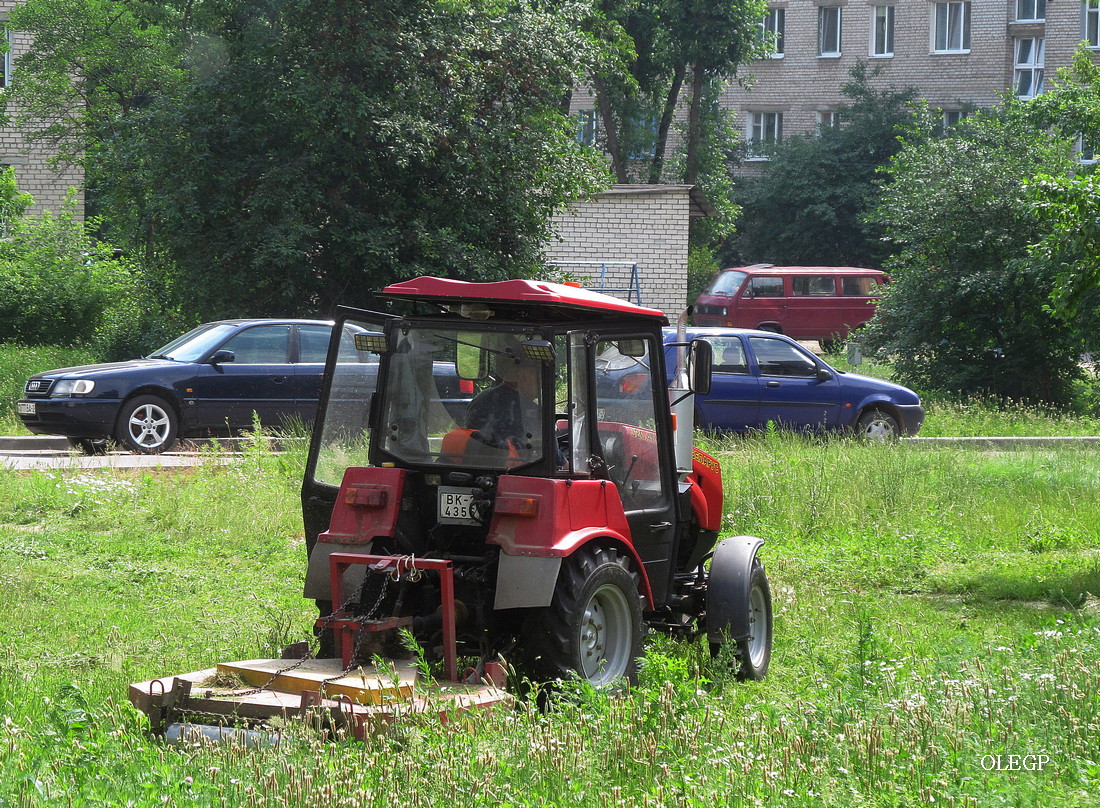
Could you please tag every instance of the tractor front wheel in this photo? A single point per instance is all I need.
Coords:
(593, 626)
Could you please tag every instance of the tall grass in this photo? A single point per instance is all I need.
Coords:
(18, 363)
(935, 615)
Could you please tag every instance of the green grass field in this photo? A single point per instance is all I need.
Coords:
(937, 642)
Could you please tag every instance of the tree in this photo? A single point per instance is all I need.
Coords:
(1069, 205)
(699, 43)
(966, 310)
(296, 153)
(810, 203)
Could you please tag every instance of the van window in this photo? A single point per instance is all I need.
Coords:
(862, 286)
(727, 283)
(767, 286)
(813, 285)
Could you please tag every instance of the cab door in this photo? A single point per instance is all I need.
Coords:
(635, 444)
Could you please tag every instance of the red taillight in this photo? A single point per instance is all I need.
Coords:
(466, 386)
(632, 382)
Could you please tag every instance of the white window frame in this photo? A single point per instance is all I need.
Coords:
(1090, 22)
(950, 117)
(951, 27)
(588, 127)
(5, 79)
(828, 119)
(1028, 67)
(1031, 10)
(762, 131)
(882, 32)
(829, 35)
(774, 23)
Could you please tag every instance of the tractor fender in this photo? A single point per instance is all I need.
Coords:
(728, 588)
(525, 581)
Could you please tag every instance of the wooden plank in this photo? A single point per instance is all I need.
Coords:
(365, 685)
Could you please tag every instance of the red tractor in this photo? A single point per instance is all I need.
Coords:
(573, 519)
(541, 516)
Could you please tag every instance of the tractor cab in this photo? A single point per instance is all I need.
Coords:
(484, 436)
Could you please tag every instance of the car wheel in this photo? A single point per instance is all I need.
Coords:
(89, 446)
(877, 425)
(147, 424)
(593, 626)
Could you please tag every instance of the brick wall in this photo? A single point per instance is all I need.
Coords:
(647, 225)
(34, 175)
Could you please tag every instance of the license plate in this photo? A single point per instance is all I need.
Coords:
(25, 408)
(456, 506)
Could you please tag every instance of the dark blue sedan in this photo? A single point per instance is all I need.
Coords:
(210, 381)
(759, 377)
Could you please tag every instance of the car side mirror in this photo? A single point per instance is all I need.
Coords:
(218, 357)
(824, 375)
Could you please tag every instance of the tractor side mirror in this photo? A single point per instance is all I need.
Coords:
(700, 361)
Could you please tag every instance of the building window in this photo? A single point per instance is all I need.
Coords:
(587, 127)
(1091, 34)
(771, 30)
(763, 131)
(882, 36)
(1086, 154)
(829, 119)
(1031, 10)
(5, 59)
(952, 28)
(1028, 79)
(950, 117)
(828, 31)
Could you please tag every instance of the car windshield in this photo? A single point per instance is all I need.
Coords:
(195, 344)
(727, 283)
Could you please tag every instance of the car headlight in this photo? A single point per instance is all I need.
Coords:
(72, 387)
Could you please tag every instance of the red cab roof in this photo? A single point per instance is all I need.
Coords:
(519, 296)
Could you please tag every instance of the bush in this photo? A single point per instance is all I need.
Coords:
(60, 285)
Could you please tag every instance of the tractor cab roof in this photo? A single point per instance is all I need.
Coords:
(525, 300)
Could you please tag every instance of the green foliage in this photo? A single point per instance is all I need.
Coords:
(682, 51)
(281, 157)
(18, 363)
(56, 282)
(808, 206)
(966, 310)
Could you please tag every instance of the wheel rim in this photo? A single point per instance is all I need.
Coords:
(605, 636)
(879, 428)
(149, 426)
(758, 627)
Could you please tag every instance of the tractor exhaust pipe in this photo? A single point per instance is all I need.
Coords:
(682, 401)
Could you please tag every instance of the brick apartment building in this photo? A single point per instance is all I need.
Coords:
(959, 55)
(33, 173)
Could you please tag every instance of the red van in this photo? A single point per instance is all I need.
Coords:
(822, 303)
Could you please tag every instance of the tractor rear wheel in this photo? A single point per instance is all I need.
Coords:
(593, 625)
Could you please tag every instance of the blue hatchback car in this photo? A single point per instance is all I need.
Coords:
(759, 377)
